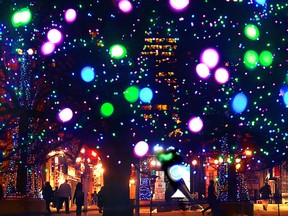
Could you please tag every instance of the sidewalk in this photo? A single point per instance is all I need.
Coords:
(273, 210)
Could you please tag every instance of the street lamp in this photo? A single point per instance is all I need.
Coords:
(194, 163)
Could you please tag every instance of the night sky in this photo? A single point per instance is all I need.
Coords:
(202, 24)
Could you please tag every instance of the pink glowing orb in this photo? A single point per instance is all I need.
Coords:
(202, 70)
(70, 15)
(47, 48)
(65, 115)
(210, 57)
(195, 124)
(141, 149)
(54, 36)
(125, 6)
(178, 5)
(221, 75)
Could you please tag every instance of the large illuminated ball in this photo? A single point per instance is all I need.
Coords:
(265, 58)
(141, 149)
(117, 51)
(178, 5)
(87, 74)
(125, 6)
(70, 15)
(47, 48)
(210, 57)
(106, 109)
(195, 124)
(65, 115)
(146, 95)
(21, 17)
(221, 75)
(239, 103)
(285, 99)
(261, 2)
(251, 31)
(54, 36)
(131, 94)
(202, 70)
(283, 90)
(251, 59)
(175, 172)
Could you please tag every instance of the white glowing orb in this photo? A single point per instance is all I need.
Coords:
(47, 48)
(178, 5)
(54, 36)
(70, 15)
(141, 149)
(202, 70)
(175, 172)
(125, 6)
(65, 115)
(195, 124)
(210, 57)
(221, 75)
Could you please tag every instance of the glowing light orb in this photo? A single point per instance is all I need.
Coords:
(195, 124)
(54, 36)
(117, 51)
(210, 57)
(175, 172)
(250, 59)
(146, 95)
(141, 149)
(70, 15)
(261, 2)
(125, 6)
(239, 103)
(106, 109)
(87, 74)
(251, 31)
(221, 75)
(21, 17)
(178, 5)
(283, 90)
(285, 98)
(265, 58)
(47, 48)
(202, 70)
(131, 94)
(65, 115)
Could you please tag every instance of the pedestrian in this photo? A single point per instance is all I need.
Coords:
(78, 198)
(101, 199)
(265, 192)
(65, 195)
(55, 197)
(47, 193)
(94, 198)
(212, 198)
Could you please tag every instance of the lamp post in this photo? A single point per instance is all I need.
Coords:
(194, 163)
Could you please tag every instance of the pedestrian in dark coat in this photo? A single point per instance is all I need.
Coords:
(265, 192)
(212, 198)
(101, 199)
(78, 198)
(47, 195)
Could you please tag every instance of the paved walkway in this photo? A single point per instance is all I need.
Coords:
(273, 210)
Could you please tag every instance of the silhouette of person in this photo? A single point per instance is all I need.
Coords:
(47, 195)
(101, 199)
(212, 198)
(65, 194)
(79, 198)
(265, 192)
(1, 192)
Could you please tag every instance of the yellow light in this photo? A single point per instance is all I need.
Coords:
(238, 160)
(216, 161)
(238, 166)
(132, 181)
(248, 152)
(78, 159)
(194, 162)
(82, 150)
(153, 163)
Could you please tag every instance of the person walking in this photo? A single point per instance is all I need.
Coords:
(212, 198)
(78, 198)
(265, 192)
(47, 193)
(55, 197)
(65, 195)
(101, 199)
